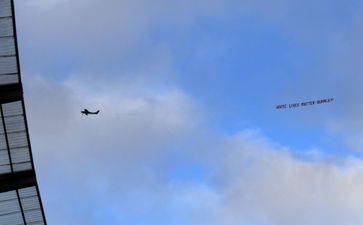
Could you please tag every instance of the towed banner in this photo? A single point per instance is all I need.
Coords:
(307, 103)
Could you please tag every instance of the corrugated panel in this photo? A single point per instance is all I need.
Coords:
(9, 78)
(10, 212)
(4, 154)
(8, 61)
(7, 47)
(15, 138)
(31, 205)
(4, 162)
(20, 206)
(8, 65)
(14, 204)
(5, 8)
(6, 27)
(9, 203)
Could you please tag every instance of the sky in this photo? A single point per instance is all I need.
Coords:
(188, 130)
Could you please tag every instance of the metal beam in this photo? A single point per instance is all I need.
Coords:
(17, 180)
(10, 93)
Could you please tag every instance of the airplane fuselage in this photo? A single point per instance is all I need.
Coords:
(86, 112)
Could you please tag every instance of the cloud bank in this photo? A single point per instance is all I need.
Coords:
(150, 157)
(119, 167)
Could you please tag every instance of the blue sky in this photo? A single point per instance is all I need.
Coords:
(188, 131)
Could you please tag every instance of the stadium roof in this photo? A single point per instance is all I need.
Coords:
(19, 194)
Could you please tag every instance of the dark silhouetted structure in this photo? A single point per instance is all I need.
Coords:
(19, 194)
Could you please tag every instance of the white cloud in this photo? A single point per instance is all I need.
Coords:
(265, 185)
(114, 167)
(106, 156)
(102, 27)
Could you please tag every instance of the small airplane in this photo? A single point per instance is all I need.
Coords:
(86, 112)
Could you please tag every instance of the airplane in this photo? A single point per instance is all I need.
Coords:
(86, 112)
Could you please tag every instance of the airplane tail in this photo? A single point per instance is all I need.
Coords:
(97, 111)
